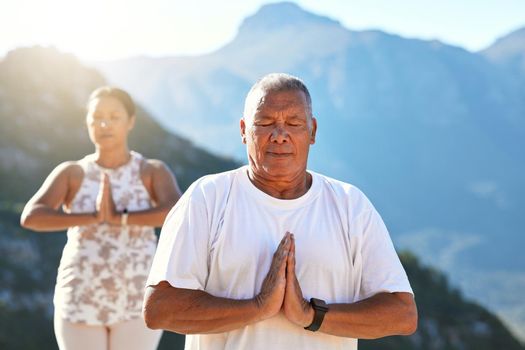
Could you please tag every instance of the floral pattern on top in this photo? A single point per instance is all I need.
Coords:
(103, 270)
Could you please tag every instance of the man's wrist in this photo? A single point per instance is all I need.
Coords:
(262, 313)
(309, 317)
(320, 309)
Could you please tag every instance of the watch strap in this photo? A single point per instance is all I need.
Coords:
(320, 309)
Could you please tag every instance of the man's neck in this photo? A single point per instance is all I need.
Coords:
(282, 188)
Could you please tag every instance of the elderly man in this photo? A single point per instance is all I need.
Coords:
(272, 256)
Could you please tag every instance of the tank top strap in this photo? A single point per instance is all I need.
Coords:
(87, 163)
(136, 161)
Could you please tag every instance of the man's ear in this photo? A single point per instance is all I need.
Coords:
(313, 131)
(242, 125)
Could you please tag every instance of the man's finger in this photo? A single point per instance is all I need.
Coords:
(280, 255)
(281, 244)
(292, 248)
(284, 246)
(283, 240)
(290, 269)
(280, 247)
(282, 267)
(291, 255)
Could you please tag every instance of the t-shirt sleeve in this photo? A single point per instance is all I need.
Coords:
(181, 258)
(381, 268)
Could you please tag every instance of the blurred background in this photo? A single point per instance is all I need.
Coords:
(420, 104)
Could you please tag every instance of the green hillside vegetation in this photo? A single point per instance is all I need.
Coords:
(28, 266)
(446, 319)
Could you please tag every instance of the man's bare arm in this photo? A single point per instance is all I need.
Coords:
(381, 315)
(191, 311)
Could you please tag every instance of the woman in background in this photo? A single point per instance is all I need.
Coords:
(109, 202)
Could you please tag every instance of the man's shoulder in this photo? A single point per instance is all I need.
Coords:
(213, 184)
(343, 191)
(341, 187)
(216, 180)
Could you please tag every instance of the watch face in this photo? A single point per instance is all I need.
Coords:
(319, 304)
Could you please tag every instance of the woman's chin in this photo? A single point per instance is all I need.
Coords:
(107, 144)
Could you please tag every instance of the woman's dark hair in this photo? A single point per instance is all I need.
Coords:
(119, 94)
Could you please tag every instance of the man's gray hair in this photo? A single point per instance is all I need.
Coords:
(275, 82)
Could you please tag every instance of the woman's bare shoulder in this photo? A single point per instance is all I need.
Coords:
(153, 166)
(71, 169)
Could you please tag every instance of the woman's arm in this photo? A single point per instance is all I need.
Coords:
(43, 211)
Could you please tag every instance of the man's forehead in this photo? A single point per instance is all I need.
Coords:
(281, 100)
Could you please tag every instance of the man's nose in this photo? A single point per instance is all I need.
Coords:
(279, 134)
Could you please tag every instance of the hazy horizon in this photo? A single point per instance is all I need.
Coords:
(117, 29)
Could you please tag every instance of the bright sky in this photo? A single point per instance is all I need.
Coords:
(111, 29)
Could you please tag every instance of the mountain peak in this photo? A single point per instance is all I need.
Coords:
(509, 51)
(514, 35)
(277, 15)
(510, 43)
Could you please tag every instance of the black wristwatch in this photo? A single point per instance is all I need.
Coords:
(320, 308)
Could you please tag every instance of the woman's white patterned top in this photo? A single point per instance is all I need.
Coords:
(103, 269)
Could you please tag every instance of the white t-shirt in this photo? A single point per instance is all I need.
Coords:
(221, 235)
